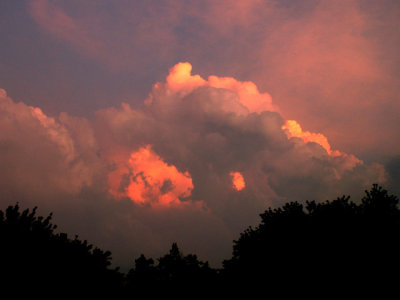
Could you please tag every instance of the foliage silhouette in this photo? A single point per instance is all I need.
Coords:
(334, 245)
(175, 274)
(34, 257)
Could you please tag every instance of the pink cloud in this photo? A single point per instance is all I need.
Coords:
(191, 121)
(326, 69)
(103, 175)
(238, 182)
(53, 19)
(328, 65)
(150, 181)
(324, 62)
(114, 38)
(180, 80)
(40, 152)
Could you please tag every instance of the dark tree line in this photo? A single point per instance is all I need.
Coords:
(174, 273)
(334, 245)
(34, 257)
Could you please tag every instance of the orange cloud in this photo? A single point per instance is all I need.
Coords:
(347, 161)
(293, 129)
(237, 181)
(247, 91)
(334, 59)
(180, 80)
(240, 98)
(327, 70)
(147, 179)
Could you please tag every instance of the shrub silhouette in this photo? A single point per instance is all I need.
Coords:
(34, 257)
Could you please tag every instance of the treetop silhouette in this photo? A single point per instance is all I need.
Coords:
(334, 245)
(34, 256)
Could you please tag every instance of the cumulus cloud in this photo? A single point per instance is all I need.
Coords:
(40, 153)
(238, 182)
(149, 180)
(195, 164)
(57, 165)
(214, 127)
(330, 65)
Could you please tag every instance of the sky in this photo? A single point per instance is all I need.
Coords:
(142, 123)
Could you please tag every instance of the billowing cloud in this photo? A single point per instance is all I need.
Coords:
(55, 163)
(40, 154)
(180, 80)
(238, 182)
(196, 164)
(329, 65)
(209, 127)
(293, 129)
(149, 180)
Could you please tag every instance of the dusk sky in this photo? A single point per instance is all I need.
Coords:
(142, 123)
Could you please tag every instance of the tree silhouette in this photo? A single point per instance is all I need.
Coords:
(142, 279)
(333, 246)
(336, 245)
(34, 257)
(175, 274)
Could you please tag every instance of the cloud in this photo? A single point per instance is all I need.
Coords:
(149, 180)
(39, 153)
(196, 164)
(57, 22)
(57, 165)
(325, 63)
(213, 127)
(238, 182)
(329, 65)
(109, 33)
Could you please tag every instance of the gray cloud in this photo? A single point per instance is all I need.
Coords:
(188, 128)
